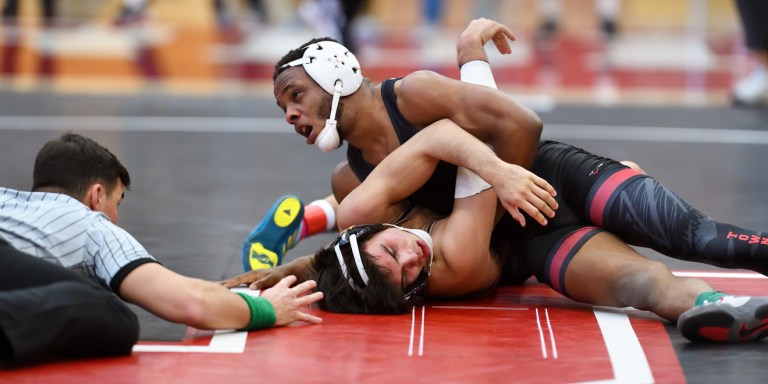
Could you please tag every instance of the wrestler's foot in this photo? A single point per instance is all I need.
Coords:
(278, 232)
(731, 319)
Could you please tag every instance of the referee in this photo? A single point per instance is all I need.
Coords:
(65, 266)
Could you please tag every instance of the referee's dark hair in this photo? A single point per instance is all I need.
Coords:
(74, 162)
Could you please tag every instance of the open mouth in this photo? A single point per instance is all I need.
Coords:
(306, 131)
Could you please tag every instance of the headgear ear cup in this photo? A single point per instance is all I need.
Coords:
(335, 69)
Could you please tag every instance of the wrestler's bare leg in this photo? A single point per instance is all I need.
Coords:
(606, 271)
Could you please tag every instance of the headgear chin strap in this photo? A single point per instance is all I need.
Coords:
(337, 71)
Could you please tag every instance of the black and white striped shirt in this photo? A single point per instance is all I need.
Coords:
(62, 230)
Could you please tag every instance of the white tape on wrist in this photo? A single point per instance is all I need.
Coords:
(478, 72)
(468, 183)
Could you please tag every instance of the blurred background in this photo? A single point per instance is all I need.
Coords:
(181, 91)
(659, 52)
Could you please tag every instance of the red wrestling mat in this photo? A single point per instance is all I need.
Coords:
(517, 335)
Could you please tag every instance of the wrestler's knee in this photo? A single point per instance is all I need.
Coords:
(633, 166)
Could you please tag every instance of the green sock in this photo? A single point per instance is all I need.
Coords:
(709, 297)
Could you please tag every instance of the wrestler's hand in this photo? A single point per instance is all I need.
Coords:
(522, 189)
(471, 42)
(288, 301)
(258, 279)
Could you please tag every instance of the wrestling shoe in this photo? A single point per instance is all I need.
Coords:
(278, 232)
(730, 319)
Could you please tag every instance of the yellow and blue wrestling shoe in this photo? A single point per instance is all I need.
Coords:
(278, 232)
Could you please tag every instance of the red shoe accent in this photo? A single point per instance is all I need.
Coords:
(714, 333)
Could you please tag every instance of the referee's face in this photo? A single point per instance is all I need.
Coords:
(112, 201)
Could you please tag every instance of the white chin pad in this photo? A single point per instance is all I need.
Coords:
(423, 235)
(328, 139)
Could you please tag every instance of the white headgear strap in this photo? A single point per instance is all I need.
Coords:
(337, 71)
(358, 261)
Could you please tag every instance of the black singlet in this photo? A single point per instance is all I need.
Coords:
(437, 193)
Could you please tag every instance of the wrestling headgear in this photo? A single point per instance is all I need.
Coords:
(349, 240)
(337, 71)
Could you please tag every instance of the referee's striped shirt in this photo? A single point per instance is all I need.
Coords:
(62, 230)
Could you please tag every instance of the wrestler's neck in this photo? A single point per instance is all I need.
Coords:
(367, 126)
(418, 217)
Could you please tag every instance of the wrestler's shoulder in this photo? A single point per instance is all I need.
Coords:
(420, 79)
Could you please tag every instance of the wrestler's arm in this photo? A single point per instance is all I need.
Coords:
(301, 267)
(492, 117)
(513, 129)
(488, 114)
(408, 168)
(470, 46)
(475, 69)
(462, 239)
(205, 305)
(471, 51)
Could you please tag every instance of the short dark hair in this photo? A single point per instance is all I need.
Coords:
(295, 54)
(73, 163)
(379, 296)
